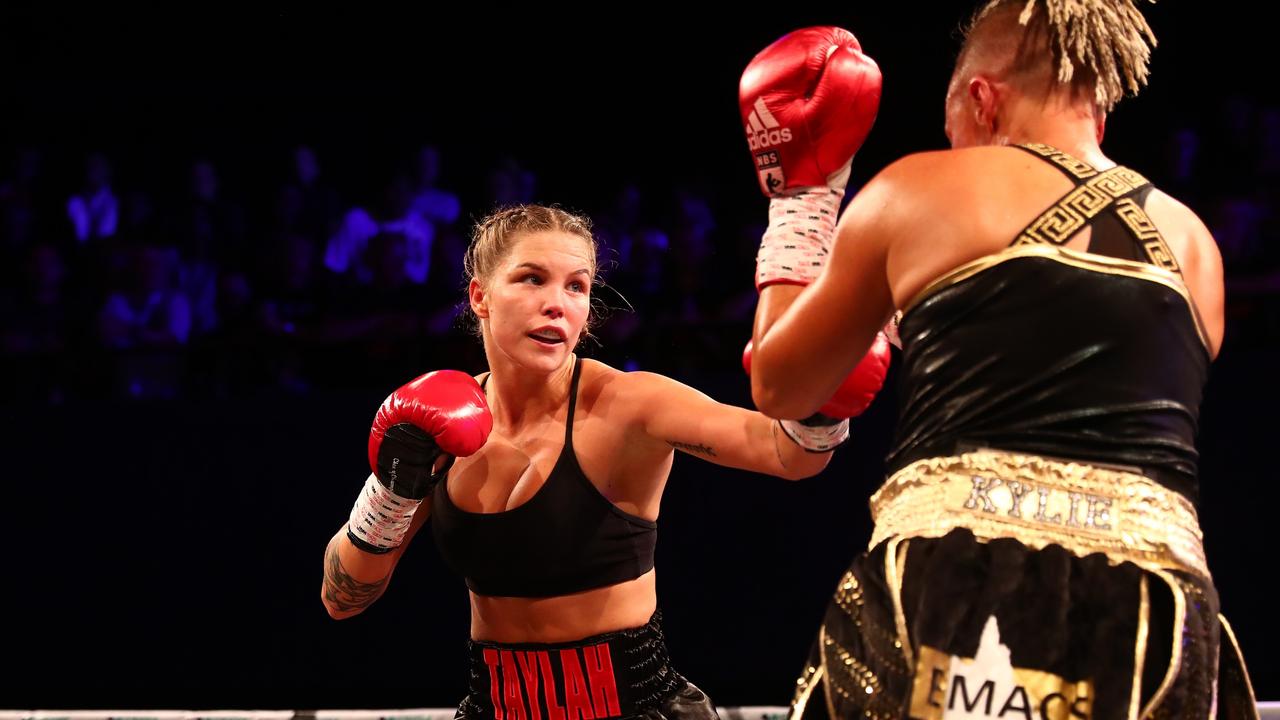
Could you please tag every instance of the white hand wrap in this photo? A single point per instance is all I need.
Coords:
(816, 438)
(380, 517)
(802, 227)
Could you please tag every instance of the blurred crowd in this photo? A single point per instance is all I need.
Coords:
(211, 283)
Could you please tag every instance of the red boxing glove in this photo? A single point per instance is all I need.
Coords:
(448, 410)
(808, 102)
(829, 427)
(861, 386)
(440, 413)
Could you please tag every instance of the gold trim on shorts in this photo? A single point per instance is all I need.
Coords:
(1175, 651)
(895, 567)
(1039, 501)
(813, 674)
(1229, 636)
(1140, 647)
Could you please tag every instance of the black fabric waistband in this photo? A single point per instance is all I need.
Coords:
(615, 674)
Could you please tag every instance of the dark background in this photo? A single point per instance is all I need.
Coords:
(166, 552)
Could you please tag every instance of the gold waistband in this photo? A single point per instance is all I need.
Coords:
(1037, 501)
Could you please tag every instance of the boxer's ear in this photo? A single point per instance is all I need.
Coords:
(479, 298)
(985, 94)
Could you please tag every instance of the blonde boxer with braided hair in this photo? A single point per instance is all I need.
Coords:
(1036, 551)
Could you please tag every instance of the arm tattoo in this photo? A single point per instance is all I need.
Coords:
(703, 449)
(344, 591)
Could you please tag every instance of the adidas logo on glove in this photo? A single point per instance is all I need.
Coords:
(763, 129)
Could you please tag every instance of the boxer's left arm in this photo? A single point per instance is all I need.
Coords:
(808, 339)
(681, 418)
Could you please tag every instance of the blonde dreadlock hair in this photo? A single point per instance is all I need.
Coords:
(1099, 47)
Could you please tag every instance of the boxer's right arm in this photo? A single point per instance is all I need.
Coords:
(353, 579)
(416, 434)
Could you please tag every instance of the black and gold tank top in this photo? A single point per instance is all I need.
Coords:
(1096, 356)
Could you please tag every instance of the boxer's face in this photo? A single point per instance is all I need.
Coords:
(535, 305)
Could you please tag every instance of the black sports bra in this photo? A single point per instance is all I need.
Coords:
(567, 538)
